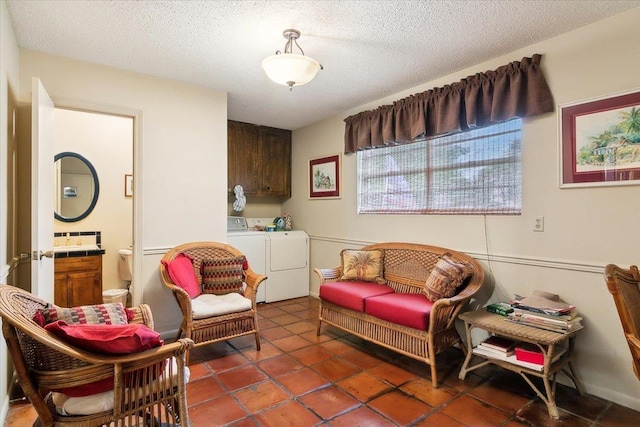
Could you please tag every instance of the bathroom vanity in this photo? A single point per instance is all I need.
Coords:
(78, 280)
(77, 268)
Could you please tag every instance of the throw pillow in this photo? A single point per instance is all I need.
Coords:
(445, 277)
(362, 265)
(110, 314)
(183, 274)
(107, 339)
(223, 275)
(103, 339)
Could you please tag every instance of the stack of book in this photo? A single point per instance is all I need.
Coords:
(498, 346)
(523, 354)
(562, 321)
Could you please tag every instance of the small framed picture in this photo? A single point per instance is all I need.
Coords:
(69, 192)
(600, 141)
(324, 178)
(128, 186)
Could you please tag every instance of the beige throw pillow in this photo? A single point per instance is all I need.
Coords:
(363, 266)
(445, 277)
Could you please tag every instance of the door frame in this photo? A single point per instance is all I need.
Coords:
(136, 115)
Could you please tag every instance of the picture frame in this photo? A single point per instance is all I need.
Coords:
(324, 177)
(599, 141)
(69, 191)
(128, 185)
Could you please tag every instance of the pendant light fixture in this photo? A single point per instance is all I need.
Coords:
(288, 68)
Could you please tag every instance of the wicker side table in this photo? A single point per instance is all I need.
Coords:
(548, 341)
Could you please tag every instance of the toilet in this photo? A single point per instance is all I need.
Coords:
(124, 271)
(125, 265)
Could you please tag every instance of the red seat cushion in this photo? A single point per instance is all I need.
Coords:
(410, 310)
(352, 294)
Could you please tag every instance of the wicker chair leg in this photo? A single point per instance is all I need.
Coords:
(257, 340)
(434, 375)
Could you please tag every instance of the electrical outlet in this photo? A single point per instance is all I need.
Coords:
(538, 224)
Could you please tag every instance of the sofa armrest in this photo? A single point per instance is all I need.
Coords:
(328, 274)
(445, 311)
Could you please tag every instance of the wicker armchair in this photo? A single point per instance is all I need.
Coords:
(43, 362)
(215, 328)
(624, 286)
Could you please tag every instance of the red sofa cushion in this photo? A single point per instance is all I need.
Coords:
(410, 310)
(352, 294)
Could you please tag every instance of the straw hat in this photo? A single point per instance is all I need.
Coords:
(544, 300)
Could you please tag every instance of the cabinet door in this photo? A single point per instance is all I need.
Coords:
(78, 281)
(84, 288)
(243, 151)
(276, 162)
(60, 289)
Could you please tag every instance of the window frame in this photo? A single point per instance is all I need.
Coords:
(493, 151)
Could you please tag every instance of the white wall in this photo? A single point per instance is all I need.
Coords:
(180, 158)
(106, 141)
(8, 92)
(585, 228)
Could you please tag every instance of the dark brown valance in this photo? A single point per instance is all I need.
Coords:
(517, 89)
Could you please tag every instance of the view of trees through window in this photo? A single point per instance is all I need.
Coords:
(472, 172)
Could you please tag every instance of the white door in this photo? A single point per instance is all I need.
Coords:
(42, 191)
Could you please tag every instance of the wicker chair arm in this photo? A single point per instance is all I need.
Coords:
(182, 298)
(328, 274)
(253, 281)
(142, 314)
(102, 367)
(633, 341)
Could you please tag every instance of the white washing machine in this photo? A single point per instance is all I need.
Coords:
(286, 262)
(252, 244)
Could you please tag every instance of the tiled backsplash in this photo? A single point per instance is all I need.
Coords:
(77, 238)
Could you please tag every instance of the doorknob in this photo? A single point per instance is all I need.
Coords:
(39, 255)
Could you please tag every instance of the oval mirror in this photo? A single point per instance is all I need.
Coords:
(77, 187)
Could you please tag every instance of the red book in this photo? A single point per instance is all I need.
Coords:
(529, 353)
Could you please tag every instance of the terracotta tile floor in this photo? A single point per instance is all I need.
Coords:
(299, 379)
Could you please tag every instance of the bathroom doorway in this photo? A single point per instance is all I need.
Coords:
(106, 141)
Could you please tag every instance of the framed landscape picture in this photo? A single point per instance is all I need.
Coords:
(600, 141)
(324, 178)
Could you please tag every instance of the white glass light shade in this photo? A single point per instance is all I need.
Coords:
(290, 69)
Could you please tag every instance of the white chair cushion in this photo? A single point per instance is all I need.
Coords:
(100, 402)
(207, 305)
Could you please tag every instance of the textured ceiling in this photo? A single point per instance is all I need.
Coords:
(369, 49)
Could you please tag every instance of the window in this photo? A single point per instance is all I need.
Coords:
(473, 172)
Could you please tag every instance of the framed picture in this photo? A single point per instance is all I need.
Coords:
(69, 192)
(324, 178)
(600, 141)
(128, 186)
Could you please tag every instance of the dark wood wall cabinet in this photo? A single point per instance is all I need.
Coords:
(78, 281)
(259, 159)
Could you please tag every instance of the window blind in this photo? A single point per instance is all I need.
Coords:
(473, 172)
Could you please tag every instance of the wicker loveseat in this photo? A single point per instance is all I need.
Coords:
(394, 312)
